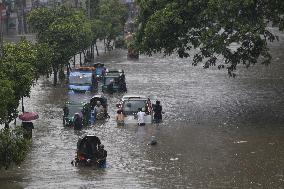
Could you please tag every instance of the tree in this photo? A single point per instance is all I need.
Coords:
(211, 28)
(17, 68)
(65, 30)
(13, 147)
(7, 98)
(22, 63)
(112, 16)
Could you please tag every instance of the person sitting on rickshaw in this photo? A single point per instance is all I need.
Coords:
(101, 156)
(110, 86)
(78, 123)
(86, 114)
(100, 110)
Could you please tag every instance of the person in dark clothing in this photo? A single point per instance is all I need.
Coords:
(110, 87)
(158, 112)
(65, 114)
(101, 156)
(78, 124)
(28, 128)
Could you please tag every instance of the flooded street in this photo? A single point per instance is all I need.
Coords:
(218, 132)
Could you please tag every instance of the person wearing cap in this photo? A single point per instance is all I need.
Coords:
(101, 156)
(99, 110)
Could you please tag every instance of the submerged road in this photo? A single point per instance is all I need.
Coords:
(218, 132)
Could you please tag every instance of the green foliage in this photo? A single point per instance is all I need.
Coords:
(44, 56)
(7, 98)
(13, 147)
(22, 63)
(17, 68)
(63, 29)
(109, 22)
(211, 28)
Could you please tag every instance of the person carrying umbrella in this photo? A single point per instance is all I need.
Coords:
(27, 125)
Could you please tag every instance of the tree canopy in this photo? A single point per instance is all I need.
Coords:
(65, 30)
(20, 65)
(234, 29)
(110, 19)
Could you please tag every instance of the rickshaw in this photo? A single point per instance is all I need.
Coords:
(90, 152)
(72, 109)
(103, 102)
(113, 83)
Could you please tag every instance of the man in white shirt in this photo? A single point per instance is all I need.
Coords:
(140, 116)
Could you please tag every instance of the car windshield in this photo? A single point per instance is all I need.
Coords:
(74, 108)
(131, 106)
(108, 79)
(81, 79)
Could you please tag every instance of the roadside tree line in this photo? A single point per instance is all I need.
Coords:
(68, 31)
(62, 33)
(230, 32)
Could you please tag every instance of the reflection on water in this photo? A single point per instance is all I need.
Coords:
(217, 132)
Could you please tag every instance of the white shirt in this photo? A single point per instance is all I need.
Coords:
(140, 116)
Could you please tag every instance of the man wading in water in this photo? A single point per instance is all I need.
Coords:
(140, 116)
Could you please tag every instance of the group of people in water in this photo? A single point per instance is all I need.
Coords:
(156, 108)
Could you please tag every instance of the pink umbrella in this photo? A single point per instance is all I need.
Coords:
(28, 116)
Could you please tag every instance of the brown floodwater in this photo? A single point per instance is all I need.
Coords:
(218, 132)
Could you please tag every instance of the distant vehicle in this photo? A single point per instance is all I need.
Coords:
(114, 82)
(132, 52)
(83, 79)
(130, 105)
(88, 152)
(114, 72)
(72, 108)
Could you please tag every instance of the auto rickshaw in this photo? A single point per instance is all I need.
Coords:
(90, 152)
(114, 83)
(103, 101)
(73, 109)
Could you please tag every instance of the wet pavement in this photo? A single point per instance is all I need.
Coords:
(218, 132)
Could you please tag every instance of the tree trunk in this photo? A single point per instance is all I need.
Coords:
(97, 49)
(80, 59)
(105, 45)
(68, 67)
(92, 51)
(74, 63)
(23, 108)
(61, 73)
(55, 71)
(6, 126)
